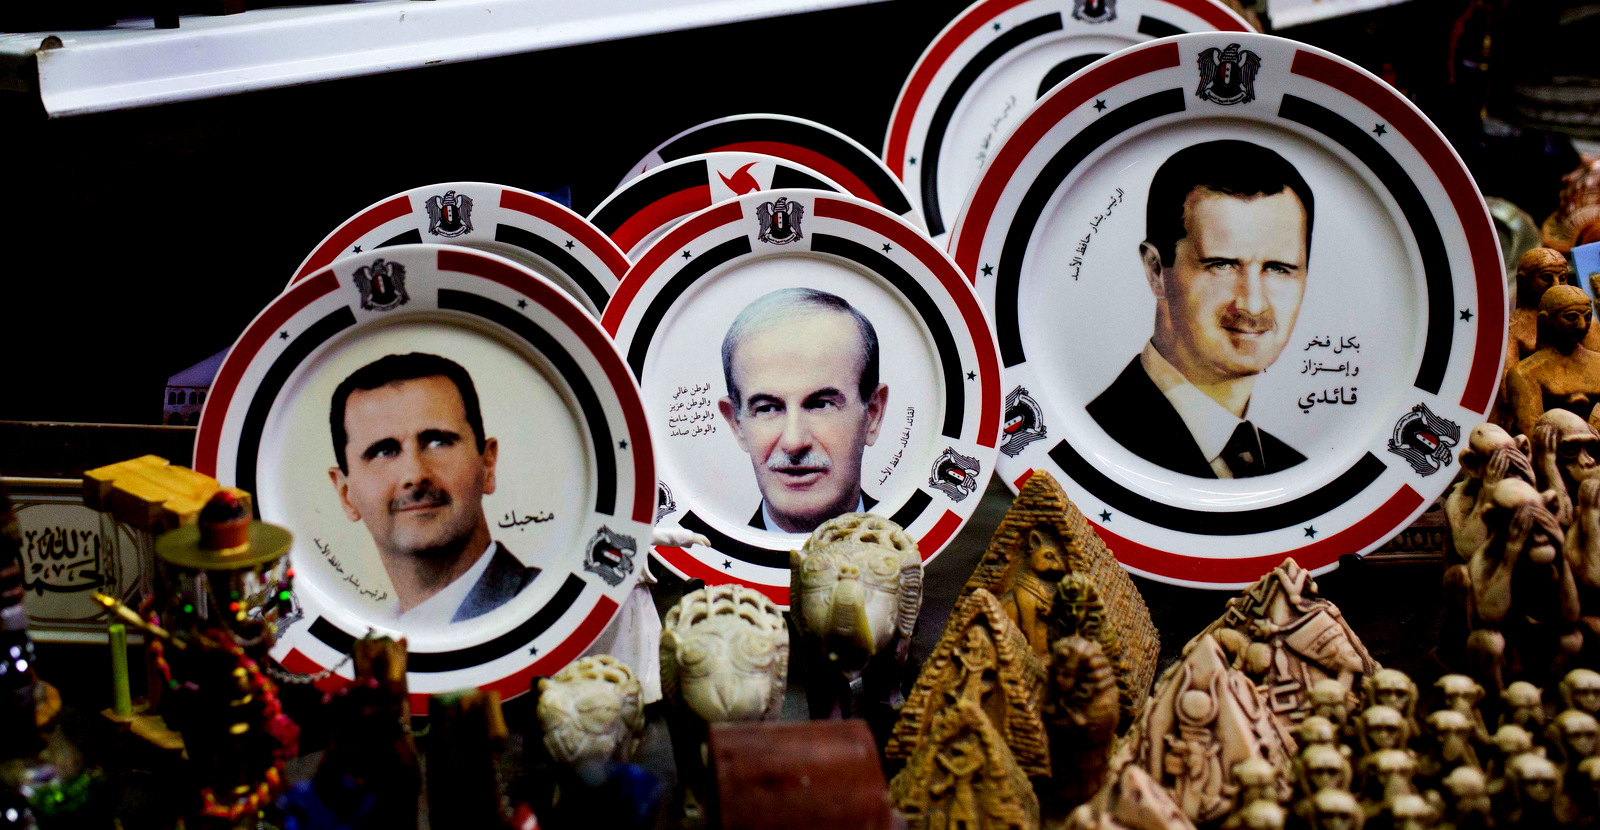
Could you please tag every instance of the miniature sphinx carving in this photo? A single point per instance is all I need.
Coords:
(1042, 521)
(1287, 638)
(591, 711)
(1561, 373)
(858, 586)
(1203, 719)
(1080, 717)
(963, 777)
(982, 658)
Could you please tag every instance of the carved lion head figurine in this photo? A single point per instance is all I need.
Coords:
(725, 654)
(591, 710)
(858, 581)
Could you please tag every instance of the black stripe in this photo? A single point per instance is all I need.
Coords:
(430, 662)
(913, 508)
(786, 177)
(865, 166)
(594, 415)
(1067, 159)
(1156, 27)
(1217, 523)
(558, 257)
(955, 402)
(411, 237)
(725, 544)
(1430, 245)
(644, 191)
(934, 143)
(698, 267)
(263, 396)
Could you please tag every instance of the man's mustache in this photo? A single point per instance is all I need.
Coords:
(811, 458)
(424, 495)
(1250, 323)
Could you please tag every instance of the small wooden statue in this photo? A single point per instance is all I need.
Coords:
(591, 712)
(1080, 716)
(962, 776)
(857, 589)
(1562, 373)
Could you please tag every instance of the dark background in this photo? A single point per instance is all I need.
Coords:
(139, 242)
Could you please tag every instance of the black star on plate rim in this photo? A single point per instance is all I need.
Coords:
(1466, 315)
(1105, 515)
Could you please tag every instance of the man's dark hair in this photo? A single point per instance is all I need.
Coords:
(1237, 168)
(778, 306)
(394, 369)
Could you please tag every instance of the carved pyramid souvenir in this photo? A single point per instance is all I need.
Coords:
(981, 658)
(1017, 568)
(1286, 638)
(1130, 801)
(964, 776)
(1203, 719)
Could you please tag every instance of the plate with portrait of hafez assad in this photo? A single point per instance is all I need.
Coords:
(804, 355)
(460, 452)
(1249, 304)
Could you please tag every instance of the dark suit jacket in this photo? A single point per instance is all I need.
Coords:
(503, 579)
(759, 521)
(1136, 415)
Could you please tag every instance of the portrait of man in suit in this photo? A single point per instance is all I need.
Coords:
(804, 401)
(1226, 249)
(414, 465)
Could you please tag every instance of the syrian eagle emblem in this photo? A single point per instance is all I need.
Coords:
(1024, 422)
(1228, 76)
(954, 474)
(449, 215)
(1424, 439)
(382, 285)
(780, 221)
(1094, 11)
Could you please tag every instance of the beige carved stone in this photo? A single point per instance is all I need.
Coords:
(1532, 786)
(962, 776)
(592, 711)
(1383, 727)
(1562, 373)
(1204, 718)
(1448, 745)
(1131, 800)
(725, 654)
(1386, 775)
(983, 658)
(1465, 793)
(1580, 690)
(1287, 638)
(1042, 513)
(1336, 810)
(1409, 812)
(1537, 272)
(1491, 454)
(1577, 737)
(1396, 690)
(1257, 815)
(1080, 717)
(1522, 704)
(1461, 693)
(1319, 767)
(1509, 742)
(1317, 731)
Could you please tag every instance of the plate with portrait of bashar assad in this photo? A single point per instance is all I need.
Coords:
(460, 452)
(1248, 300)
(803, 355)
(538, 233)
(984, 71)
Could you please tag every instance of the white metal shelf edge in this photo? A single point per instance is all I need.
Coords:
(135, 65)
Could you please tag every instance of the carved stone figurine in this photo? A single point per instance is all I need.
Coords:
(1131, 800)
(1577, 739)
(1461, 693)
(1532, 784)
(1396, 690)
(1080, 717)
(1564, 448)
(1408, 812)
(1490, 455)
(1254, 779)
(1383, 727)
(963, 777)
(1537, 271)
(1321, 767)
(1287, 638)
(1580, 690)
(1522, 704)
(1465, 792)
(1257, 815)
(591, 711)
(1318, 731)
(1204, 718)
(1509, 742)
(1561, 373)
(1386, 775)
(1336, 810)
(858, 586)
(1449, 745)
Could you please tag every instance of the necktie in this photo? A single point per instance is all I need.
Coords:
(1242, 453)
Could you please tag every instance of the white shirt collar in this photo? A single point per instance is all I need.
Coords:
(1209, 422)
(772, 523)
(440, 608)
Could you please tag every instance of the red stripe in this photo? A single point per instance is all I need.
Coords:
(963, 27)
(657, 255)
(934, 540)
(966, 300)
(1375, 527)
(265, 327)
(561, 304)
(1489, 350)
(1023, 479)
(692, 568)
(580, 229)
(810, 158)
(659, 213)
(297, 662)
(1056, 106)
(347, 234)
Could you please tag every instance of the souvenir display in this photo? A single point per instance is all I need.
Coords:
(1562, 373)
(1350, 435)
(982, 74)
(536, 232)
(652, 203)
(389, 405)
(591, 711)
(819, 147)
(857, 590)
(805, 355)
(964, 776)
